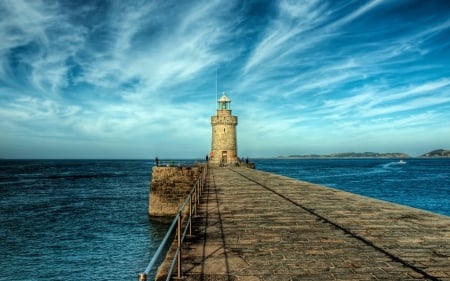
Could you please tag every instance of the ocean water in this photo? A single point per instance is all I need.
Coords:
(87, 219)
(422, 183)
(75, 220)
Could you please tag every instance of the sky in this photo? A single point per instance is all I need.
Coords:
(137, 79)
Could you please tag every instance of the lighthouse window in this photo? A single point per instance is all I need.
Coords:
(224, 130)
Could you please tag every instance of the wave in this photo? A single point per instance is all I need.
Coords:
(356, 172)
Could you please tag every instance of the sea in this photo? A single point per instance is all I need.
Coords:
(87, 219)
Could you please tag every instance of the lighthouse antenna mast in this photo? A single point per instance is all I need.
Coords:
(216, 89)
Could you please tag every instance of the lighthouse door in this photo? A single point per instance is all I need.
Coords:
(224, 157)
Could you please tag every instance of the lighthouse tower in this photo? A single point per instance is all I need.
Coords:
(223, 144)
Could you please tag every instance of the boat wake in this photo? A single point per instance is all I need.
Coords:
(394, 164)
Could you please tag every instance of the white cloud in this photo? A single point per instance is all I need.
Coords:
(356, 14)
(423, 102)
(47, 38)
(292, 21)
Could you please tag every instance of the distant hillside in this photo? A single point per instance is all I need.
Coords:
(437, 153)
(353, 155)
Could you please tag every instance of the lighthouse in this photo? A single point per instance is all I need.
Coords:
(223, 144)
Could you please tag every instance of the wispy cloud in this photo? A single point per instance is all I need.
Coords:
(348, 18)
(281, 35)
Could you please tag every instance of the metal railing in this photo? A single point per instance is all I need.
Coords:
(191, 202)
(178, 162)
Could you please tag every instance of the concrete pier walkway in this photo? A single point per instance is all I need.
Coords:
(255, 225)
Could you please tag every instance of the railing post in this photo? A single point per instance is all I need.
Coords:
(198, 195)
(190, 215)
(195, 201)
(179, 234)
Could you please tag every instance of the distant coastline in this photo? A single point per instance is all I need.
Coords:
(438, 153)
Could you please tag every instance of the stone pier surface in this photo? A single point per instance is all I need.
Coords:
(254, 225)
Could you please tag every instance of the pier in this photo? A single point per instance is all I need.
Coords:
(254, 225)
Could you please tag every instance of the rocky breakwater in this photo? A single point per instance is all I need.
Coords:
(169, 187)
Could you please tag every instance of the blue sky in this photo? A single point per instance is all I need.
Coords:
(137, 79)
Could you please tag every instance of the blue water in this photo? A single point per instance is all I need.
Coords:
(87, 220)
(75, 220)
(421, 183)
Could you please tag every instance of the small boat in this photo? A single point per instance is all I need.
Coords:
(401, 162)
